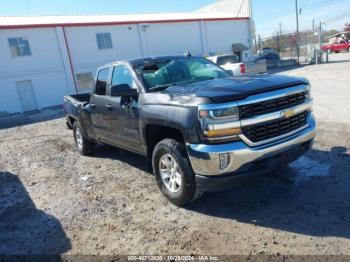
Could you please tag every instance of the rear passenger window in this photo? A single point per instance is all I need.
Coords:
(101, 82)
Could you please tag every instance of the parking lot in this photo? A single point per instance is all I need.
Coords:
(52, 200)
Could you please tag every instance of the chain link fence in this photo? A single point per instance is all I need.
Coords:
(305, 48)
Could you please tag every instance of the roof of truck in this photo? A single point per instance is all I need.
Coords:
(157, 58)
(142, 60)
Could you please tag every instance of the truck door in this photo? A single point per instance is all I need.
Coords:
(123, 112)
(97, 105)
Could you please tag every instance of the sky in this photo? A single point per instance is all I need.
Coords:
(268, 14)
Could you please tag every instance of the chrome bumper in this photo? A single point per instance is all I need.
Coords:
(205, 159)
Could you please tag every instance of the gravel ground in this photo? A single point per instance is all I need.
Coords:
(54, 201)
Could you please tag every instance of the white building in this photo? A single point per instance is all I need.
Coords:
(44, 58)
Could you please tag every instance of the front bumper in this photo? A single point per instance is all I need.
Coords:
(205, 159)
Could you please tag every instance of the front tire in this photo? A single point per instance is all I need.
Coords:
(83, 145)
(174, 174)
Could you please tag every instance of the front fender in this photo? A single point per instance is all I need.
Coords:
(182, 118)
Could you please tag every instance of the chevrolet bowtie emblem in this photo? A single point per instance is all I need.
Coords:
(288, 113)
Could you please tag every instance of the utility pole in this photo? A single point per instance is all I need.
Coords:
(256, 45)
(314, 50)
(279, 38)
(251, 27)
(280, 28)
(313, 32)
(320, 34)
(259, 43)
(297, 20)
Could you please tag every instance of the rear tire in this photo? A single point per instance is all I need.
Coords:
(174, 174)
(83, 145)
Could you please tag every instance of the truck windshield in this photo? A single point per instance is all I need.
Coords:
(161, 74)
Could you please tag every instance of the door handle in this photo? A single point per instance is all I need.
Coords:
(93, 106)
(109, 107)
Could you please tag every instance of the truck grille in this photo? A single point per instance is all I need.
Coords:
(269, 106)
(267, 130)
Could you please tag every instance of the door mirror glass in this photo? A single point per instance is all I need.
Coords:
(123, 90)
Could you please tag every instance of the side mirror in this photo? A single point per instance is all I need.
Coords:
(123, 90)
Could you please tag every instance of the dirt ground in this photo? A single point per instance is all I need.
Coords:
(54, 201)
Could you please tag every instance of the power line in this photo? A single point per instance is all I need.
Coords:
(317, 4)
(267, 18)
(336, 18)
(263, 18)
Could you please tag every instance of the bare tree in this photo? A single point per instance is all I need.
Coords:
(347, 29)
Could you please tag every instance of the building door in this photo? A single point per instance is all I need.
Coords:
(26, 95)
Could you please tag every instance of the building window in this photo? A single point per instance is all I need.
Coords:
(104, 40)
(19, 46)
(85, 81)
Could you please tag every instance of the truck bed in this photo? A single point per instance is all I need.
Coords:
(78, 99)
(259, 67)
(73, 103)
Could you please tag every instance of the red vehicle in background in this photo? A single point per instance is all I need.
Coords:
(343, 45)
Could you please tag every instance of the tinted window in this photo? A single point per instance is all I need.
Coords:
(230, 59)
(121, 75)
(101, 82)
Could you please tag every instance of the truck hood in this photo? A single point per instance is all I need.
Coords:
(234, 88)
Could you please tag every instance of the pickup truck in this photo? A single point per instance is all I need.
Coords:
(199, 128)
(337, 47)
(230, 63)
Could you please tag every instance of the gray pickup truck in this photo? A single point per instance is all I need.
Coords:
(199, 128)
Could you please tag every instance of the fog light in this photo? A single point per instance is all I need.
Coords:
(224, 160)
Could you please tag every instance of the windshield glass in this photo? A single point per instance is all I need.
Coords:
(160, 74)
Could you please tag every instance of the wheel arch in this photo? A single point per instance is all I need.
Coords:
(71, 120)
(154, 133)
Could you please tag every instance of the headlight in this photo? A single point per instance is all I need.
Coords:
(308, 93)
(230, 112)
(219, 122)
